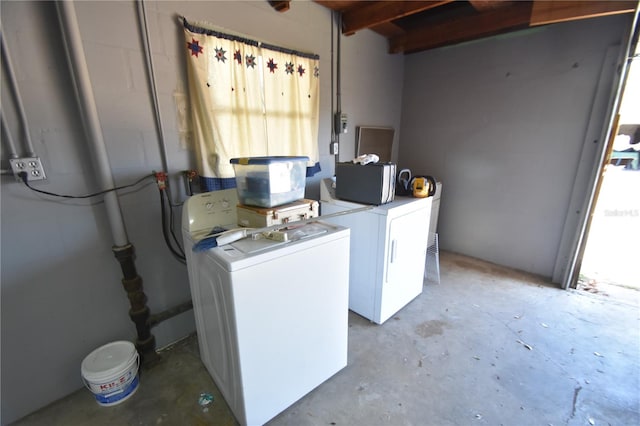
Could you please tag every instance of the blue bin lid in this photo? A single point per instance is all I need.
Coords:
(266, 160)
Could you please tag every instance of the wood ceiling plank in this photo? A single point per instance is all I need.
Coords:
(552, 11)
(491, 22)
(372, 13)
(339, 5)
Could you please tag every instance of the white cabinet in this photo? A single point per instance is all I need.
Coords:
(388, 251)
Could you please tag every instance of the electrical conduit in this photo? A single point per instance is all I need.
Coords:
(122, 249)
(14, 87)
(11, 145)
(144, 33)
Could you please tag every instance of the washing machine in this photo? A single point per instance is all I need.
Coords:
(271, 316)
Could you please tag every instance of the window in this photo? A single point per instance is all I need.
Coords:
(249, 99)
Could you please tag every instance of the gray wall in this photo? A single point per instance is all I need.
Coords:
(502, 123)
(61, 292)
(367, 98)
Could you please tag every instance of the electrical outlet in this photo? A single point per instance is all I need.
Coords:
(340, 122)
(333, 148)
(31, 165)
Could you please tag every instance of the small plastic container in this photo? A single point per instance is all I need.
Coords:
(270, 181)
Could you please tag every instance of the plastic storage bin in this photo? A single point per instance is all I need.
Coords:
(270, 181)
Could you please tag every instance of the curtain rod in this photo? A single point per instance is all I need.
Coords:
(206, 29)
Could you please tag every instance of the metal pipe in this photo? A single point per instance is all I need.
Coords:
(332, 113)
(156, 319)
(89, 112)
(142, 17)
(139, 312)
(11, 145)
(338, 87)
(14, 88)
(123, 250)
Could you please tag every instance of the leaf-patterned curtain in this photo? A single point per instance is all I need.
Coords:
(249, 99)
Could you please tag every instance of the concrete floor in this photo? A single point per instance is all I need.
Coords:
(486, 346)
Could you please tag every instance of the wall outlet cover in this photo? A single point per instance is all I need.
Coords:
(31, 165)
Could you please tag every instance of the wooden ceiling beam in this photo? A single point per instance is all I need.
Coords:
(552, 11)
(280, 5)
(491, 17)
(482, 5)
(371, 13)
(388, 29)
(491, 22)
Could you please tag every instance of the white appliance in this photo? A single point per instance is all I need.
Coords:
(388, 251)
(271, 316)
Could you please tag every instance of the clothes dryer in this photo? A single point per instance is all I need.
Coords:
(388, 251)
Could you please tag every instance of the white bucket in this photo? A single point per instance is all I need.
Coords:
(111, 372)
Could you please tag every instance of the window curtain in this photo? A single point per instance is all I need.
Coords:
(248, 99)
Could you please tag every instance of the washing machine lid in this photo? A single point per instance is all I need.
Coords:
(259, 242)
(252, 249)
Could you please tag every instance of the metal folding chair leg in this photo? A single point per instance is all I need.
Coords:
(432, 265)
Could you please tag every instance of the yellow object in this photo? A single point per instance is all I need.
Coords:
(420, 187)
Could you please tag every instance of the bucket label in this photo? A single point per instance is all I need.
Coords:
(116, 384)
(113, 385)
(108, 399)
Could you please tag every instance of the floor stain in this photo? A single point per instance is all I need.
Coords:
(575, 399)
(470, 264)
(430, 328)
(496, 270)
